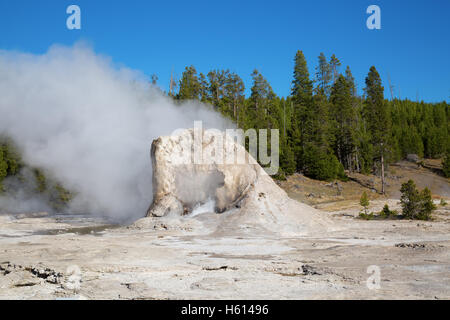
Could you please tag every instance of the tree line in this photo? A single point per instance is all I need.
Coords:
(325, 126)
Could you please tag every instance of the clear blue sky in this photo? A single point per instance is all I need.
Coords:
(413, 46)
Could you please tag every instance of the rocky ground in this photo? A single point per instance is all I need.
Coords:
(44, 257)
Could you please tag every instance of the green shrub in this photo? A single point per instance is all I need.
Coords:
(280, 176)
(426, 205)
(443, 203)
(364, 202)
(387, 213)
(415, 204)
(367, 216)
(321, 165)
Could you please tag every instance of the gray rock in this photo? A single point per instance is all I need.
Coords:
(412, 157)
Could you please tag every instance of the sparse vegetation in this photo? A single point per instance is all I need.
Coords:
(11, 166)
(416, 205)
(443, 203)
(367, 216)
(387, 213)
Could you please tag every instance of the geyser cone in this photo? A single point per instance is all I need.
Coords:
(247, 197)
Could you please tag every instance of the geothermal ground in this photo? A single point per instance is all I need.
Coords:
(48, 257)
(265, 246)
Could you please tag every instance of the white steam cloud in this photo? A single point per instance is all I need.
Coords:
(90, 124)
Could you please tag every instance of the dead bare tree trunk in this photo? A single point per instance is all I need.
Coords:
(358, 169)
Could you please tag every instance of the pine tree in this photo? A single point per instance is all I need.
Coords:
(234, 93)
(334, 66)
(350, 80)
(204, 86)
(415, 204)
(359, 132)
(287, 159)
(302, 86)
(364, 202)
(287, 154)
(323, 74)
(261, 96)
(426, 205)
(344, 121)
(409, 199)
(377, 118)
(302, 95)
(189, 85)
(312, 139)
(217, 81)
(318, 123)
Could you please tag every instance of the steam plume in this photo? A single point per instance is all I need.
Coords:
(90, 124)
